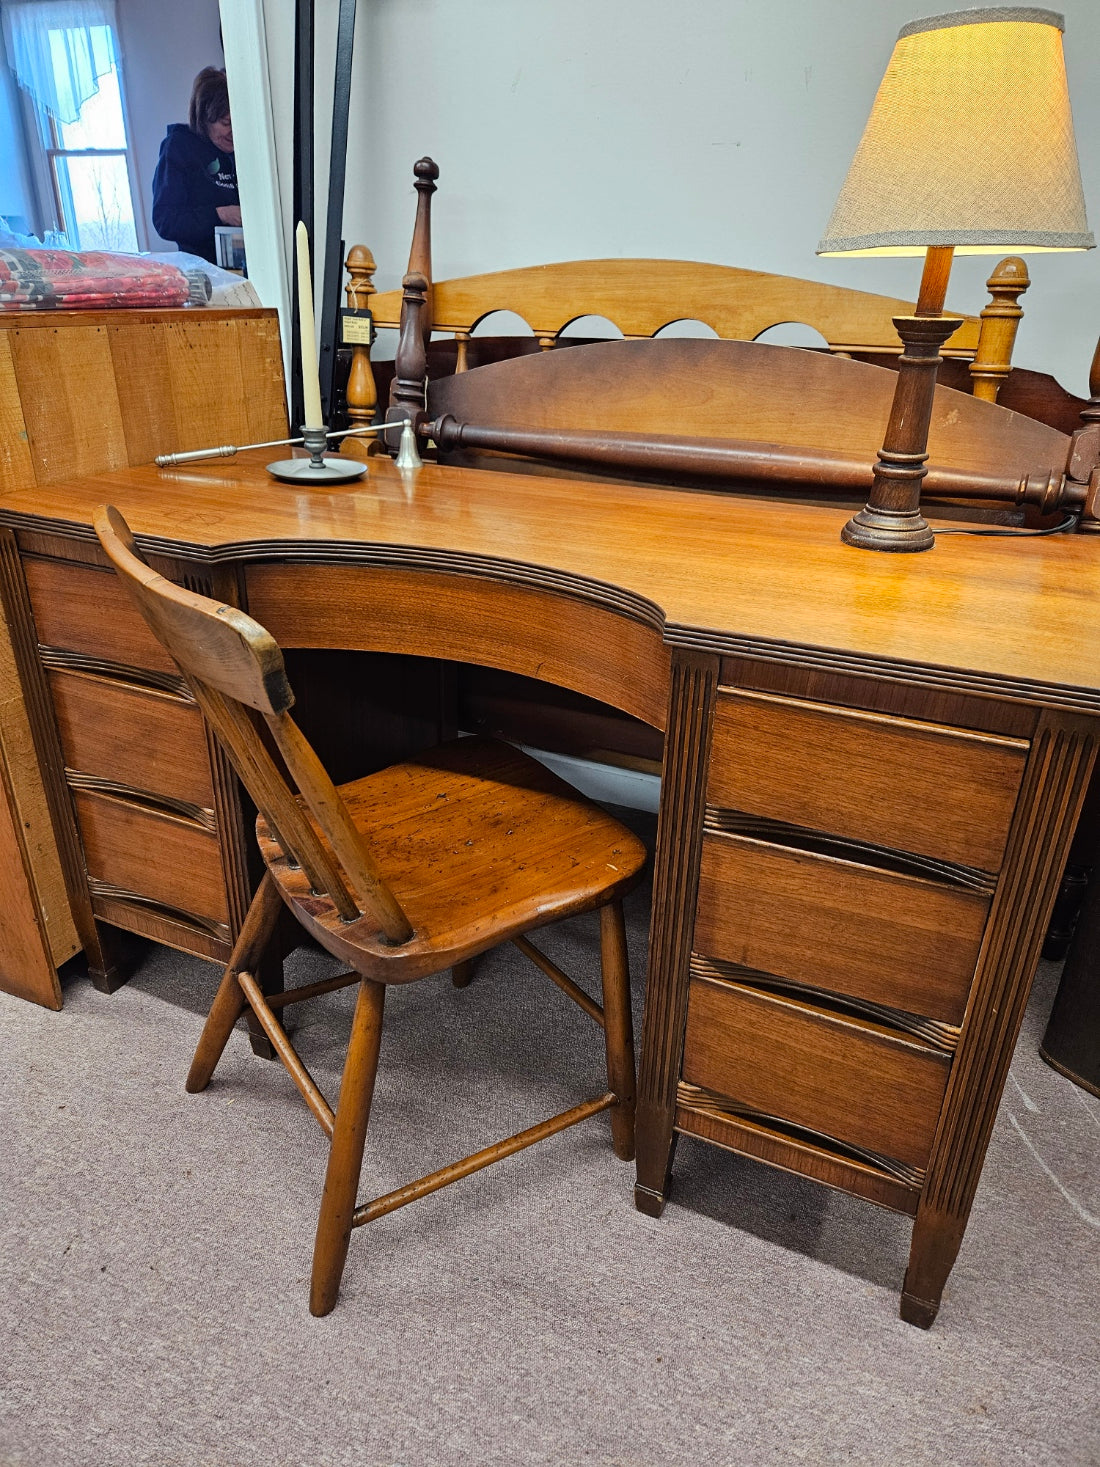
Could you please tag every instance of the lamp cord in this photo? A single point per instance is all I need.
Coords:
(1068, 523)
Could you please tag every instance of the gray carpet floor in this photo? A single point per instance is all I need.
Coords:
(155, 1251)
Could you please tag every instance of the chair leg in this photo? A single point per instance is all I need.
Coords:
(618, 1026)
(461, 973)
(229, 1002)
(345, 1160)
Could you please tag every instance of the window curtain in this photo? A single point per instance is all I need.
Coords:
(59, 49)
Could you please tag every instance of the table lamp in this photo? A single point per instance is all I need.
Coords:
(970, 149)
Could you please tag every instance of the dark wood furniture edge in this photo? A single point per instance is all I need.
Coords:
(692, 692)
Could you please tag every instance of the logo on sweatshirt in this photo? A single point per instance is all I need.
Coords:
(218, 178)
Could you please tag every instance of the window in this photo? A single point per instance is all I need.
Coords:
(89, 173)
(65, 58)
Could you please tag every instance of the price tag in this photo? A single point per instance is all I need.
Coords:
(357, 328)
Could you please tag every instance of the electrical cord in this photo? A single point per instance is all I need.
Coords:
(1068, 523)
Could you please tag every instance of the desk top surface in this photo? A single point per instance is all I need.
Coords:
(1016, 617)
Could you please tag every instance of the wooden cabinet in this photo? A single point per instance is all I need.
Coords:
(83, 392)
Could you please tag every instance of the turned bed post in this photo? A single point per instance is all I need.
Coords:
(426, 171)
(362, 393)
(1000, 321)
(408, 390)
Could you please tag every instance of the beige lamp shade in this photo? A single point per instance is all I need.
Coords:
(969, 143)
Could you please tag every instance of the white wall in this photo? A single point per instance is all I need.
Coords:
(710, 129)
(165, 44)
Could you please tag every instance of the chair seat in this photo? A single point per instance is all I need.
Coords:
(478, 842)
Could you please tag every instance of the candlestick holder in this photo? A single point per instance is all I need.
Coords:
(319, 468)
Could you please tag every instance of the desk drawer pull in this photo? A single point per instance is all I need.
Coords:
(796, 837)
(934, 1033)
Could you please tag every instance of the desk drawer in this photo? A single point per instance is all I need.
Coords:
(160, 857)
(139, 737)
(86, 610)
(892, 782)
(875, 934)
(846, 1080)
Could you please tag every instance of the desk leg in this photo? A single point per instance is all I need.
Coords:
(694, 683)
(103, 951)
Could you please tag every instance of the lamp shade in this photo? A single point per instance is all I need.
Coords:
(969, 144)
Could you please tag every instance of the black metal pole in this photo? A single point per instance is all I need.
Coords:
(334, 242)
(303, 184)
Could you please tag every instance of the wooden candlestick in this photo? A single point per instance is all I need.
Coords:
(891, 518)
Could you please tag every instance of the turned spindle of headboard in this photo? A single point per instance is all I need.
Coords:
(409, 386)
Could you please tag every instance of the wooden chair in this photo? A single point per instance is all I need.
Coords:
(401, 874)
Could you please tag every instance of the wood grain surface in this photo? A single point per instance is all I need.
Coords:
(641, 296)
(899, 783)
(140, 737)
(83, 610)
(170, 860)
(840, 1077)
(739, 390)
(1000, 617)
(892, 939)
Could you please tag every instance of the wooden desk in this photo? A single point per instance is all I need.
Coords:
(873, 765)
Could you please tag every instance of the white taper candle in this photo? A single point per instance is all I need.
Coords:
(311, 379)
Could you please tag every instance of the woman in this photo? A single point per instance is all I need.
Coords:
(195, 185)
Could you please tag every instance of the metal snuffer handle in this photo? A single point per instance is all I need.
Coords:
(227, 450)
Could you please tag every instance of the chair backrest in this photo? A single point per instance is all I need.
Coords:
(232, 664)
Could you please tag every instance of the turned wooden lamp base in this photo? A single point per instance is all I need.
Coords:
(882, 529)
(891, 519)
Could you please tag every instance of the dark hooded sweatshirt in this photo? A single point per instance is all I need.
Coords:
(193, 180)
